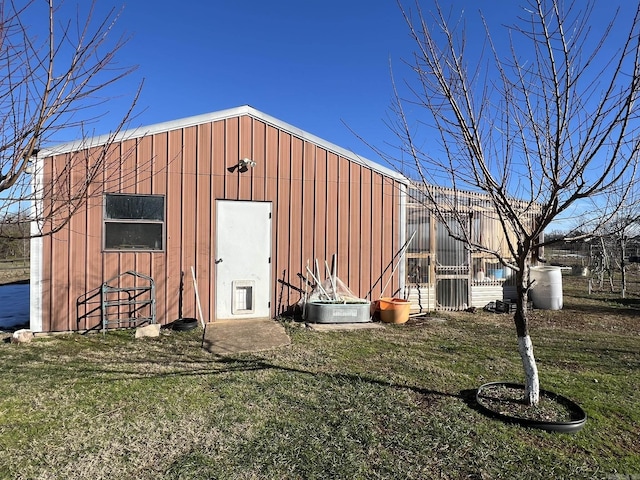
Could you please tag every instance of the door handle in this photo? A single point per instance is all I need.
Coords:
(219, 260)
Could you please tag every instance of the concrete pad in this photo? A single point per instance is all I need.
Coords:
(241, 336)
(336, 327)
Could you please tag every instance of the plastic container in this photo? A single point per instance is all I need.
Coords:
(394, 310)
(547, 290)
(323, 312)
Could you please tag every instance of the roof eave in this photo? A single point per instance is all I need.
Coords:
(162, 127)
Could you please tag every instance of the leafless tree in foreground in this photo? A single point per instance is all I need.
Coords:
(55, 76)
(541, 119)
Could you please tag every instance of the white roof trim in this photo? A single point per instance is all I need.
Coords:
(215, 116)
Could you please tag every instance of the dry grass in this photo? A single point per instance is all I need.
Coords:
(14, 275)
(390, 403)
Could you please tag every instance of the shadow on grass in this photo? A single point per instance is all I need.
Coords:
(627, 302)
(629, 306)
(220, 365)
(236, 365)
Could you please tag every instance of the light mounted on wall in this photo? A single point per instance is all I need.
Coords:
(30, 168)
(242, 166)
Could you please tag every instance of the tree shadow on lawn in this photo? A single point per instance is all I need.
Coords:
(618, 304)
(220, 365)
(628, 302)
(468, 396)
(253, 364)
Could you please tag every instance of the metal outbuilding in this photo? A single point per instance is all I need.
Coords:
(244, 199)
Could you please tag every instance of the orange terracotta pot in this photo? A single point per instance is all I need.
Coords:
(394, 310)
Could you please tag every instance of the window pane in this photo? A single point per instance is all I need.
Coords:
(452, 292)
(139, 236)
(450, 251)
(418, 270)
(418, 222)
(134, 207)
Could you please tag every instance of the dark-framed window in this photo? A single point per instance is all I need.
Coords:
(134, 222)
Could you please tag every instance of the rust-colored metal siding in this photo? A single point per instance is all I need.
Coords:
(322, 202)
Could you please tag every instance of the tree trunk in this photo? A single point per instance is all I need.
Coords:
(610, 273)
(623, 266)
(525, 346)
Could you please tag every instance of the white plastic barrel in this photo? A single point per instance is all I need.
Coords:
(547, 289)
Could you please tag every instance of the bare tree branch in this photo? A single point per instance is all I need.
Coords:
(53, 75)
(541, 119)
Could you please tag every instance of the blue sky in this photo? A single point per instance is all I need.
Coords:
(316, 64)
(313, 63)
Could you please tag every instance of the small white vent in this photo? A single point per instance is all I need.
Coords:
(243, 301)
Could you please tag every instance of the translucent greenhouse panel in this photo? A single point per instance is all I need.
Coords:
(452, 293)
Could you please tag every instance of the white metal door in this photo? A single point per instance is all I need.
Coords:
(243, 259)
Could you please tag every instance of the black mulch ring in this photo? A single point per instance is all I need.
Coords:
(554, 412)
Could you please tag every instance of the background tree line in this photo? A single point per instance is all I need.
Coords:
(14, 241)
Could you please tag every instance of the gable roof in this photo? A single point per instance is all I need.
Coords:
(216, 116)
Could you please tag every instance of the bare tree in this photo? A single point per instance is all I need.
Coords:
(614, 238)
(14, 242)
(55, 77)
(538, 120)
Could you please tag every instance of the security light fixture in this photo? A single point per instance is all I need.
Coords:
(246, 162)
(243, 165)
(30, 169)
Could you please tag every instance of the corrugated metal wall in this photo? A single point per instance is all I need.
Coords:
(323, 203)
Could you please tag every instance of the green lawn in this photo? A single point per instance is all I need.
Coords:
(389, 403)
